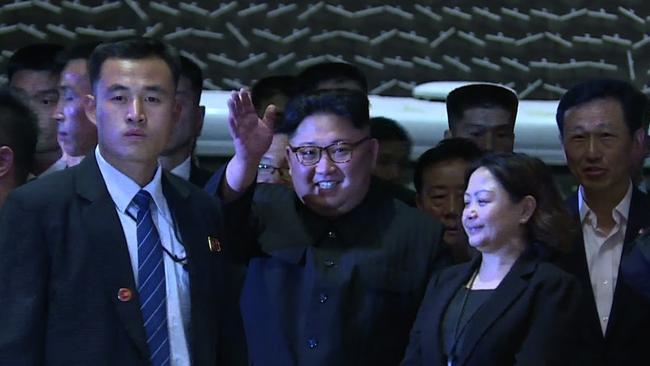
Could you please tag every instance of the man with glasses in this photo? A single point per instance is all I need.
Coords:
(336, 266)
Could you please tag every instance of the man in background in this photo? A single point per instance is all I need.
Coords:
(178, 156)
(77, 135)
(33, 71)
(440, 180)
(484, 113)
(18, 134)
(601, 125)
(276, 90)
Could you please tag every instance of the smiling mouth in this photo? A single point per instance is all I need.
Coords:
(328, 184)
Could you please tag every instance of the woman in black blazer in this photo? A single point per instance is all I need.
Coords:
(508, 306)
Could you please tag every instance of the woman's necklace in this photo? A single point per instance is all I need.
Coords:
(457, 331)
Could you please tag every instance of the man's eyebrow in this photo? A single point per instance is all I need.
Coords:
(116, 87)
(156, 89)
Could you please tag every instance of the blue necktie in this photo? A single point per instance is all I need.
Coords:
(151, 282)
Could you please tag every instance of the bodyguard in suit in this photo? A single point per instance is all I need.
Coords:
(336, 266)
(108, 263)
(178, 155)
(600, 122)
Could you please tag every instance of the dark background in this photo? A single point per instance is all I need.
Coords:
(393, 63)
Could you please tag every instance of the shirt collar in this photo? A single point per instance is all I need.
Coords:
(622, 209)
(183, 169)
(122, 188)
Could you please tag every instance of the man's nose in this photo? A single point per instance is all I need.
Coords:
(136, 113)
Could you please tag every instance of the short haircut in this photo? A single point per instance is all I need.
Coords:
(633, 103)
(35, 57)
(351, 105)
(483, 95)
(314, 75)
(133, 49)
(80, 51)
(550, 230)
(269, 86)
(19, 131)
(448, 149)
(193, 73)
(386, 129)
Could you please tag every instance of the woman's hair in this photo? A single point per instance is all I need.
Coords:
(550, 229)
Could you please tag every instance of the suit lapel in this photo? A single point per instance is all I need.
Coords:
(432, 352)
(505, 294)
(637, 220)
(106, 235)
(575, 262)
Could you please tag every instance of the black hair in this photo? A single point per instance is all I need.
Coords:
(133, 49)
(386, 129)
(448, 149)
(351, 105)
(480, 96)
(313, 76)
(550, 230)
(81, 51)
(633, 103)
(18, 131)
(193, 73)
(267, 87)
(36, 57)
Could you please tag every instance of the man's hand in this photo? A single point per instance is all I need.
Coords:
(252, 137)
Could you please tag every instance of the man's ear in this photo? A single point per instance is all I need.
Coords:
(90, 107)
(6, 161)
(528, 206)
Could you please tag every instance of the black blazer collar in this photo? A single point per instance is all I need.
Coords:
(512, 286)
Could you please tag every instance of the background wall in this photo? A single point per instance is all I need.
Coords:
(539, 49)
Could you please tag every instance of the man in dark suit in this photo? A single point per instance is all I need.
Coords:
(113, 261)
(178, 156)
(600, 122)
(18, 133)
(336, 266)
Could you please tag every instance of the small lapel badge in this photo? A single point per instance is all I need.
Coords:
(214, 245)
(124, 294)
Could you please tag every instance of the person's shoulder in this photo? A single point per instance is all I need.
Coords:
(45, 191)
(550, 273)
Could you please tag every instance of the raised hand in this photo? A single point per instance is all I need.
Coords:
(251, 135)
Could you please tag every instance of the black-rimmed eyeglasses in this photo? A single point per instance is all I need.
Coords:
(338, 152)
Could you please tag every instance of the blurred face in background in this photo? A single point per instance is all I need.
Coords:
(392, 161)
(273, 167)
(491, 129)
(41, 90)
(77, 135)
(441, 196)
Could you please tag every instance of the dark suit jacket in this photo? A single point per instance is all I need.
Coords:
(199, 176)
(528, 320)
(628, 329)
(63, 258)
(321, 291)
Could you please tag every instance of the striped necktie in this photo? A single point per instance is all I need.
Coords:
(151, 282)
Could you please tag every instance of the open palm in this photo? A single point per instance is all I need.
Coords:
(251, 135)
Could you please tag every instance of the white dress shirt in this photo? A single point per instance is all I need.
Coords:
(603, 251)
(183, 169)
(122, 189)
